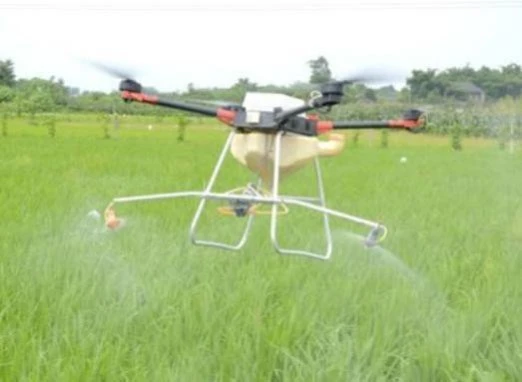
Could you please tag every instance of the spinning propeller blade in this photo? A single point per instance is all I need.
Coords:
(371, 76)
(112, 71)
(127, 83)
(333, 91)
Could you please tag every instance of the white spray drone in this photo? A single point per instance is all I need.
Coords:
(272, 135)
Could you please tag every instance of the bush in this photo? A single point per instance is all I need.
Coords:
(4, 124)
(384, 138)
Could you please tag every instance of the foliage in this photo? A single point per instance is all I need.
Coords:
(104, 120)
(384, 138)
(355, 138)
(182, 122)
(504, 136)
(7, 73)
(4, 124)
(439, 300)
(50, 122)
(30, 97)
(461, 83)
(320, 70)
(456, 133)
(456, 141)
(7, 94)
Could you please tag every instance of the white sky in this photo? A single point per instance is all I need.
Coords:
(171, 43)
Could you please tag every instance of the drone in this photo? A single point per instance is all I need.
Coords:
(273, 135)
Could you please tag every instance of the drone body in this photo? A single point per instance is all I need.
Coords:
(254, 149)
(273, 136)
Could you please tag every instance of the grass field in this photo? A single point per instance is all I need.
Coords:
(441, 301)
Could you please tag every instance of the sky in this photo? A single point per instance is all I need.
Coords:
(169, 44)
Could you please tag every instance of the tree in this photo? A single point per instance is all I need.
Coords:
(424, 83)
(6, 94)
(245, 84)
(40, 95)
(239, 89)
(433, 85)
(7, 74)
(369, 94)
(387, 92)
(404, 95)
(320, 70)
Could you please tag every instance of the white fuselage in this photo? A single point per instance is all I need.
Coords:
(255, 150)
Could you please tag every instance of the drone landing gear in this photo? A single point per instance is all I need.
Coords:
(246, 203)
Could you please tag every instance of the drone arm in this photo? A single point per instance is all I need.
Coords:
(360, 125)
(154, 100)
(326, 100)
(411, 121)
(284, 115)
(327, 126)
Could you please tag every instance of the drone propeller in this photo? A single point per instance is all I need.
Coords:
(333, 91)
(370, 76)
(110, 70)
(128, 83)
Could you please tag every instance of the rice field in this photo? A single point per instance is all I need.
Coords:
(440, 301)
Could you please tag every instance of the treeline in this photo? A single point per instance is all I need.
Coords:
(37, 95)
(453, 86)
(461, 83)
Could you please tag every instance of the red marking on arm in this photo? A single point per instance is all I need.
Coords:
(139, 97)
(323, 127)
(226, 116)
(403, 123)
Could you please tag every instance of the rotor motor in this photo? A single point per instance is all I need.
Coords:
(130, 86)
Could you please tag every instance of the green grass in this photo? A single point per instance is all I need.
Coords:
(442, 302)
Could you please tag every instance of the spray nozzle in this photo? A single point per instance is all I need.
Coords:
(111, 220)
(376, 235)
